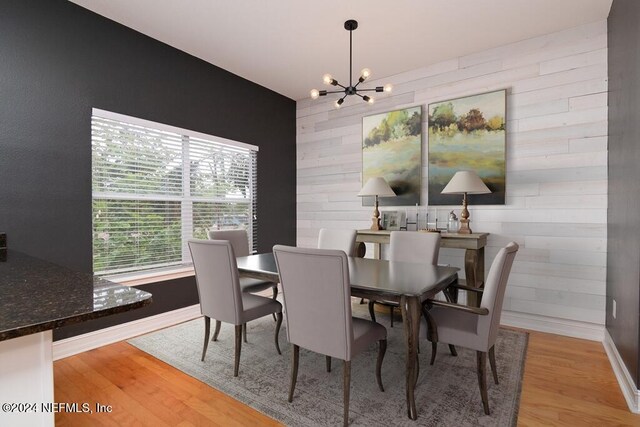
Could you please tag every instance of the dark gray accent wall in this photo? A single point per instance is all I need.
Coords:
(57, 61)
(623, 229)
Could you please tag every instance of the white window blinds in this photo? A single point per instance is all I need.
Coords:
(156, 186)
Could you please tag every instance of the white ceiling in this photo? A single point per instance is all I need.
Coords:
(287, 45)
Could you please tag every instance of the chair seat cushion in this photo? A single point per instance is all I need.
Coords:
(248, 284)
(256, 306)
(366, 332)
(458, 328)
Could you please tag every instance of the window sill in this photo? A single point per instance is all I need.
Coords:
(145, 278)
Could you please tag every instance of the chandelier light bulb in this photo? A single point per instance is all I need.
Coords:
(315, 93)
(388, 87)
(339, 103)
(365, 73)
(327, 79)
(371, 100)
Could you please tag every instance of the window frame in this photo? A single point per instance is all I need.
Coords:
(186, 200)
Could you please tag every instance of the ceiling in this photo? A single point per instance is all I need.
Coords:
(287, 45)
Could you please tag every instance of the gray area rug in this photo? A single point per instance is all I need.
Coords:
(447, 393)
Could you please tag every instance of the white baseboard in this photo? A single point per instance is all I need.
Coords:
(74, 345)
(627, 385)
(553, 325)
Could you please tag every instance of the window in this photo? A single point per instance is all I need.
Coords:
(156, 186)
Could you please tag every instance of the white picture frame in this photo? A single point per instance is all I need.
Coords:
(394, 220)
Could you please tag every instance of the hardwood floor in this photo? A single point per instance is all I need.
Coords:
(567, 382)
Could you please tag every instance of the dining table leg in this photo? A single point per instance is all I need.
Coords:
(411, 309)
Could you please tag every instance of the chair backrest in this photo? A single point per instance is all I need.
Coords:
(494, 289)
(238, 238)
(217, 278)
(317, 299)
(341, 240)
(414, 246)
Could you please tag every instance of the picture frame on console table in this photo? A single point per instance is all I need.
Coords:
(393, 220)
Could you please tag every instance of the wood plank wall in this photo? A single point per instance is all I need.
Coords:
(556, 203)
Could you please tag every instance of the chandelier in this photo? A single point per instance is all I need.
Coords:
(352, 89)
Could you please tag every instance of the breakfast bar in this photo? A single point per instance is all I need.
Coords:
(37, 297)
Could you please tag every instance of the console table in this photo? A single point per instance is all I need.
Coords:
(473, 244)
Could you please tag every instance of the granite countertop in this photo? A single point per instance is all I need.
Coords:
(36, 295)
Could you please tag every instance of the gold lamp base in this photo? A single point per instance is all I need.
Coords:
(375, 219)
(464, 217)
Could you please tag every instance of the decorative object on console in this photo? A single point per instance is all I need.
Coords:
(376, 187)
(394, 220)
(392, 149)
(453, 225)
(352, 89)
(468, 133)
(465, 182)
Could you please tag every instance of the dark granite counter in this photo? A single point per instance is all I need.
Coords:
(36, 295)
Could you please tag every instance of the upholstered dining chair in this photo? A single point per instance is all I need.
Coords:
(343, 240)
(475, 327)
(410, 246)
(221, 297)
(240, 242)
(326, 326)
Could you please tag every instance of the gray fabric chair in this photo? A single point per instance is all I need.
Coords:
(410, 246)
(475, 327)
(342, 240)
(220, 296)
(326, 326)
(240, 242)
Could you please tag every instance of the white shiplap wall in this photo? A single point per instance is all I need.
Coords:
(556, 204)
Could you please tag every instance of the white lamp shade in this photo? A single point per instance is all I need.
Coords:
(466, 182)
(376, 186)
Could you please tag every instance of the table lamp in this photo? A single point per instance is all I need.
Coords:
(465, 182)
(376, 186)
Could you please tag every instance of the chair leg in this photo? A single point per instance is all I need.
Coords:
(207, 329)
(295, 356)
(236, 362)
(492, 362)
(278, 324)
(244, 332)
(217, 331)
(382, 349)
(452, 349)
(346, 377)
(481, 357)
(434, 350)
(275, 296)
(391, 313)
(328, 359)
(372, 313)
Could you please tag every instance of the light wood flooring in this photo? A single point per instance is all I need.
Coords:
(567, 382)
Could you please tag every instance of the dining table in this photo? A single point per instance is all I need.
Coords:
(408, 284)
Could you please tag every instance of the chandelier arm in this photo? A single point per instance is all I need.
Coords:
(334, 91)
(367, 90)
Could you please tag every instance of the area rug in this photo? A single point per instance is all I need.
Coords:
(447, 393)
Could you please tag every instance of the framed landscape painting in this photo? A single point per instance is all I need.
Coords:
(392, 149)
(468, 134)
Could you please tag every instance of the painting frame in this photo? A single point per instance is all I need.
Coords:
(393, 220)
(460, 137)
(392, 148)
